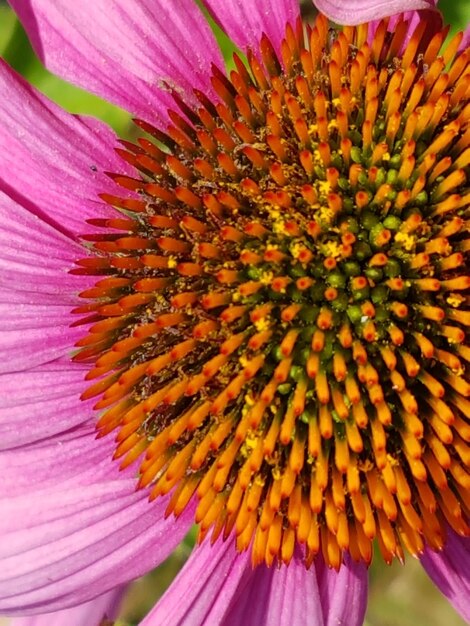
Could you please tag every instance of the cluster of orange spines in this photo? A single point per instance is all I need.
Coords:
(280, 329)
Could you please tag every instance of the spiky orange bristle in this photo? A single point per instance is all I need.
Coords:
(280, 330)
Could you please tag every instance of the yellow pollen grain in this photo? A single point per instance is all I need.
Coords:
(406, 241)
(331, 249)
(455, 300)
(262, 324)
(249, 399)
(324, 187)
(243, 360)
(274, 213)
(266, 278)
(251, 441)
(295, 249)
(325, 215)
(279, 227)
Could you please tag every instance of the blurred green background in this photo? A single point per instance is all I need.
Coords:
(399, 596)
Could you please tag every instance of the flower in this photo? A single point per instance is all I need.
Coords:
(269, 332)
(101, 611)
(361, 11)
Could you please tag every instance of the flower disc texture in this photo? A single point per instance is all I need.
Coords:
(279, 326)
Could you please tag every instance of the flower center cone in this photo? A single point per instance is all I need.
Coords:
(278, 331)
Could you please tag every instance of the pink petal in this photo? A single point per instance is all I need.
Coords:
(78, 534)
(218, 586)
(36, 258)
(245, 21)
(80, 456)
(450, 571)
(89, 614)
(432, 17)
(126, 51)
(204, 589)
(344, 593)
(359, 11)
(41, 403)
(37, 292)
(34, 333)
(53, 163)
(465, 43)
(278, 596)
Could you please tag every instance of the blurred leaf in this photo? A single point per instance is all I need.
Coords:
(226, 45)
(7, 21)
(403, 595)
(456, 13)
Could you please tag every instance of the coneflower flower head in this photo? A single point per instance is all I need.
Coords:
(278, 327)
